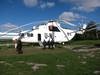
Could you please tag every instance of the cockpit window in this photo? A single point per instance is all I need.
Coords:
(53, 28)
(22, 34)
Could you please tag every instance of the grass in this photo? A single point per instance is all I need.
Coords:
(85, 42)
(59, 56)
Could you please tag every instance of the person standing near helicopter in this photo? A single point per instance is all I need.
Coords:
(51, 41)
(19, 45)
(46, 42)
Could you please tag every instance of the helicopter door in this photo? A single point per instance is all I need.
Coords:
(39, 37)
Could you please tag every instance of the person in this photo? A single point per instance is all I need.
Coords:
(19, 46)
(45, 42)
(51, 43)
(15, 43)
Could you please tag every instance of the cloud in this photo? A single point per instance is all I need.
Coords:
(50, 4)
(88, 5)
(30, 3)
(84, 5)
(47, 5)
(41, 4)
(8, 26)
(69, 16)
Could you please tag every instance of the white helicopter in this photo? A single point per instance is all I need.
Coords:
(51, 29)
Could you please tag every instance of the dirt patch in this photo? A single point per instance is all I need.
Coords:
(86, 48)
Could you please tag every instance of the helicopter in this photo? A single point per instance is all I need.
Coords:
(51, 29)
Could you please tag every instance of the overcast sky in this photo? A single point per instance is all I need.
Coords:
(14, 13)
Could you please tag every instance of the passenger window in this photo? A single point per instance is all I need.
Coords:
(29, 34)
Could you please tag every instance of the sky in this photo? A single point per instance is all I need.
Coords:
(14, 13)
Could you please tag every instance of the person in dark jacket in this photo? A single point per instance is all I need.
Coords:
(51, 42)
(19, 47)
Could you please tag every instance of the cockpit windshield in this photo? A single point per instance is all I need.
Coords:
(54, 28)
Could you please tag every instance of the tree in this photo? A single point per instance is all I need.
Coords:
(91, 30)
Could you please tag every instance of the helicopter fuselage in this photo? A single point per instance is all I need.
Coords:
(53, 29)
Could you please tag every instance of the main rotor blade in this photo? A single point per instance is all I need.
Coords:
(24, 25)
(90, 29)
(71, 24)
(62, 31)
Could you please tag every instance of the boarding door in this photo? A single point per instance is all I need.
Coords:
(39, 37)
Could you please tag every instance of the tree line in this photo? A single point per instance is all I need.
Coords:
(92, 32)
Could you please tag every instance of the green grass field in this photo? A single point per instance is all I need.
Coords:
(58, 61)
